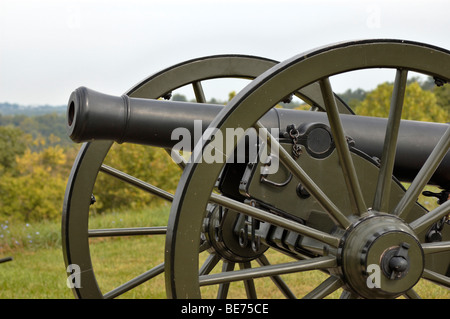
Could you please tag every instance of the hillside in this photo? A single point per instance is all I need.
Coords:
(16, 109)
(41, 125)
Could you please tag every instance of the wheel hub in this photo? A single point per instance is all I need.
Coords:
(219, 231)
(381, 257)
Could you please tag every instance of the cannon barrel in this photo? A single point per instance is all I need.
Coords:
(96, 116)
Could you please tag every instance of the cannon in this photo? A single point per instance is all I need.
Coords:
(5, 259)
(328, 189)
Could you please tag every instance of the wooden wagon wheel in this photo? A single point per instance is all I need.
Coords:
(76, 233)
(378, 224)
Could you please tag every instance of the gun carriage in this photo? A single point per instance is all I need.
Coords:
(336, 201)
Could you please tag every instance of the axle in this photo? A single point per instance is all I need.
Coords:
(96, 116)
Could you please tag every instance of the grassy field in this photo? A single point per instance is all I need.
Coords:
(38, 271)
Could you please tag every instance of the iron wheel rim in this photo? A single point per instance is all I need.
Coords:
(313, 66)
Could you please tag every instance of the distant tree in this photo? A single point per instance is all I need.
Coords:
(40, 126)
(150, 164)
(442, 92)
(443, 97)
(179, 97)
(36, 190)
(215, 101)
(13, 143)
(353, 97)
(428, 84)
(418, 104)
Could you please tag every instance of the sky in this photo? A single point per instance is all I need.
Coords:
(50, 47)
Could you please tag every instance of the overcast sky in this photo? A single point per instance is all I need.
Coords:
(50, 47)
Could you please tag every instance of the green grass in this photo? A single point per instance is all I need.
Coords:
(34, 275)
(38, 271)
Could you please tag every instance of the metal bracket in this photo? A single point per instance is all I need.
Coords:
(271, 183)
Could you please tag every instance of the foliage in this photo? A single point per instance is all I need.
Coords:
(149, 164)
(443, 96)
(35, 190)
(179, 97)
(16, 235)
(15, 109)
(12, 143)
(34, 174)
(35, 163)
(418, 104)
(36, 155)
(353, 97)
(40, 127)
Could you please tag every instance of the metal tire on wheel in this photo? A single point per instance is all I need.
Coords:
(380, 222)
(90, 161)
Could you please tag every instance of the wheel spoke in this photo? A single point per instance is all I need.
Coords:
(330, 285)
(209, 264)
(277, 280)
(305, 180)
(440, 150)
(422, 223)
(271, 270)
(351, 179)
(357, 234)
(93, 155)
(198, 91)
(411, 294)
(222, 292)
(383, 189)
(177, 158)
(436, 278)
(135, 231)
(204, 245)
(275, 219)
(438, 247)
(348, 295)
(249, 284)
(137, 182)
(135, 282)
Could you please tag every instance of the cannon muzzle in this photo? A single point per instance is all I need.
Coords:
(93, 115)
(96, 116)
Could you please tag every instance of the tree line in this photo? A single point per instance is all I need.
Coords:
(424, 100)
(36, 155)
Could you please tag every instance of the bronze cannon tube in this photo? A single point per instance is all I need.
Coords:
(96, 116)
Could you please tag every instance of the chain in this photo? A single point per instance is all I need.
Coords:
(294, 134)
